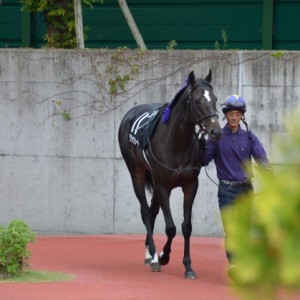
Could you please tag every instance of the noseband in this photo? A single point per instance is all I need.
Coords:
(200, 119)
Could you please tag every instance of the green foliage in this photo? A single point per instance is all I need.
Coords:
(268, 262)
(171, 45)
(277, 54)
(123, 68)
(66, 115)
(224, 41)
(13, 247)
(60, 20)
(119, 82)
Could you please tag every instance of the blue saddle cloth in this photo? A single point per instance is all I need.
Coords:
(144, 126)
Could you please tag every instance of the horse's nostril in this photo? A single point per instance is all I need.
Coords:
(215, 135)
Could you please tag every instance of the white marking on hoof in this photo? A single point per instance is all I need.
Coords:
(147, 254)
(155, 259)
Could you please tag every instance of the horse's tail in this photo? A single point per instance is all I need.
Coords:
(149, 182)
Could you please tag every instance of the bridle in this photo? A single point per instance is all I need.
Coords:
(199, 118)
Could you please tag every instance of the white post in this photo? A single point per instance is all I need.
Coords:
(78, 24)
(132, 25)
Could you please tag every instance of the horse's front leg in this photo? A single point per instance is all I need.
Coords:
(189, 196)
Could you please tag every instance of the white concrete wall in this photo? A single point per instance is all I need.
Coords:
(65, 177)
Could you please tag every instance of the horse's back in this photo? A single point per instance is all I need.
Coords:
(130, 121)
(132, 115)
(138, 110)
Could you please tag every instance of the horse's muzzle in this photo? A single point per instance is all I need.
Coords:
(215, 134)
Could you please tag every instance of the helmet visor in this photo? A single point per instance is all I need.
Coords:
(233, 104)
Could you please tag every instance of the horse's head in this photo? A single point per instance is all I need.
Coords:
(202, 105)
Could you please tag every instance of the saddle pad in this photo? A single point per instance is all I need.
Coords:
(143, 127)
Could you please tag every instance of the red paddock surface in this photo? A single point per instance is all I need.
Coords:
(111, 267)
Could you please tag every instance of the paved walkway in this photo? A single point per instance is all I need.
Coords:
(111, 267)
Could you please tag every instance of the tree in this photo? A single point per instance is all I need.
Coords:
(60, 20)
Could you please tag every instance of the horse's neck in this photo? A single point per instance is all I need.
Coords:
(181, 128)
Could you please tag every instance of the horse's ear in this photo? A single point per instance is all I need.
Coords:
(192, 78)
(209, 75)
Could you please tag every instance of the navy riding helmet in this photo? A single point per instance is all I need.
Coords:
(234, 102)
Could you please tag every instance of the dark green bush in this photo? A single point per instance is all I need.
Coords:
(13, 247)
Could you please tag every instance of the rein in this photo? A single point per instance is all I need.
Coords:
(180, 169)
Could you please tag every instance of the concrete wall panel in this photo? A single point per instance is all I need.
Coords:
(67, 176)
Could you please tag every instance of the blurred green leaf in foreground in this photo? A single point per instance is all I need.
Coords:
(268, 260)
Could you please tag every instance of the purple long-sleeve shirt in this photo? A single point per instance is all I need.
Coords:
(233, 152)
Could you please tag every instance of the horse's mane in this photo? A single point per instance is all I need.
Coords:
(167, 111)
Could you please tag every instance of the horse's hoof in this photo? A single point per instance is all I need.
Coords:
(147, 261)
(155, 267)
(164, 259)
(190, 275)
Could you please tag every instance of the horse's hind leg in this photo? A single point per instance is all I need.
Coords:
(139, 189)
(154, 210)
(170, 228)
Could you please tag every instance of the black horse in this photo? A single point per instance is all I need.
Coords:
(160, 145)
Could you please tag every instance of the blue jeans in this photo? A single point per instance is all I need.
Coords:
(228, 195)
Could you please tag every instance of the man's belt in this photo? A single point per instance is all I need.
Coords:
(237, 183)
